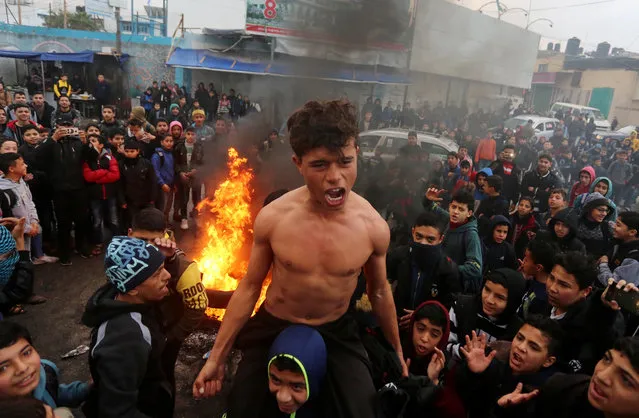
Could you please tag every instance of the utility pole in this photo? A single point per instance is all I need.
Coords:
(65, 14)
(165, 7)
(118, 32)
(19, 12)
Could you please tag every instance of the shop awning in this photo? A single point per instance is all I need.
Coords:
(83, 56)
(287, 67)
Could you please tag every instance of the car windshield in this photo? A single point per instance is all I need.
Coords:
(595, 113)
(514, 123)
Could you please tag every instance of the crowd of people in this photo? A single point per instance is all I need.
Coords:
(499, 282)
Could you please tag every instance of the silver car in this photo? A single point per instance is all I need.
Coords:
(389, 141)
(543, 126)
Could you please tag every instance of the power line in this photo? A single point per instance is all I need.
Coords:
(572, 5)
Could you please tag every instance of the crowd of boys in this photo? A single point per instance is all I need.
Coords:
(514, 287)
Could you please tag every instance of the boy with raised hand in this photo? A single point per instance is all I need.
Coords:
(461, 242)
(483, 380)
(24, 373)
(493, 313)
(612, 391)
(127, 339)
(591, 323)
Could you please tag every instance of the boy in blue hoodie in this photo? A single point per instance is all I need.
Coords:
(24, 373)
(296, 370)
(163, 164)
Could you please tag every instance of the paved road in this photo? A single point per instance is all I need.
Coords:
(56, 329)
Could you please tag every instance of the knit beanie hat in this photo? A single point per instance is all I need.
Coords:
(174, 105)
(138, 113)
(7, 246)
(130, 261)
(198, 112)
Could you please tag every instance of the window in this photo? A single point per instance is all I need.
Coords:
(393, 144)
(126, 27)
(368, 142)
(543, 68)
(435, 151)
(550, 126)
(540, 127)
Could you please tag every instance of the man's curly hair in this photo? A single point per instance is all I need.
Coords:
(329, 124)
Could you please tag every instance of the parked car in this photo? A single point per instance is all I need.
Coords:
(588, 112)
(543, 126)
(618, 135)
(391, 140)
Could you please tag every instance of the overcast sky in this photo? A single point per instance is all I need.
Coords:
(592, 21)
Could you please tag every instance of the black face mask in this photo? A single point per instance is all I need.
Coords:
(425, 256)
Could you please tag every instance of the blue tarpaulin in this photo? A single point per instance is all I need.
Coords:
(82, 56)
(288, 67)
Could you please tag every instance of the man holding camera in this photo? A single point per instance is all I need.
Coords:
(64, 153)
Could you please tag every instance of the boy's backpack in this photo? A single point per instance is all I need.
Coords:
(8, 201)
(161, 155)
(52, 382)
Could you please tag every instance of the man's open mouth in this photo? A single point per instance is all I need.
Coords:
(335, 197)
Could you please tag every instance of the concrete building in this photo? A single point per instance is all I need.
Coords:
(607, 82)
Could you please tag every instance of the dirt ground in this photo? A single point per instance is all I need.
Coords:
(56, 329)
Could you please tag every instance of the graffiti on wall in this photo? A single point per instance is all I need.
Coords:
(149, 65)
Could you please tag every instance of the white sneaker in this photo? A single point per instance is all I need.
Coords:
(184, 225)
(45, 259)
(49, 259)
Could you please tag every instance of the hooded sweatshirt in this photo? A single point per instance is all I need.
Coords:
(570, 242)
(499, 255)
(24, 206)
(306, 347)
(463, 245)
(595, 236)
(578, 188)
(579, 201)
(467, 314)
(125, 359)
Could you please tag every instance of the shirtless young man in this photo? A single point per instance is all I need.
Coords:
(317, 238)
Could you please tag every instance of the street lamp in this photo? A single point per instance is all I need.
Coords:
(513, 9)
(538, 20)
(502, 9)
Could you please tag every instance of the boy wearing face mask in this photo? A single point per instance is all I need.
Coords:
(421, 269)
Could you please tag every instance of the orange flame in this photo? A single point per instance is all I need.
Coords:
(227, 231)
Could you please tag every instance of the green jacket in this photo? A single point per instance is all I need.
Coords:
(464, 247)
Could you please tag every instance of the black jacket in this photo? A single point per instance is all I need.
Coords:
(179, 155)
(440, 281)
(564, 396)
(467, 314)
(541, 185)
(570, 242)
(138, 184)
(490, 206)
(510, 188)
(481, 391)
(622, 251)
(20, 285)
(107, 129)
(43, 119)
(590, 330)
(40, 185)
(125, 359)
(64, 162)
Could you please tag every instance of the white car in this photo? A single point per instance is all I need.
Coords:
(588, 112)
(389, 141)
(543, 126)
